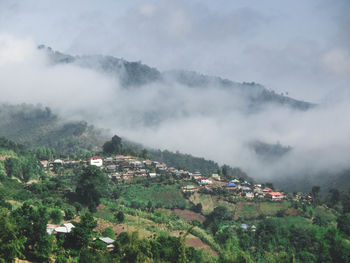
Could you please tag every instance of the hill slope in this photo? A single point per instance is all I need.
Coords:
(35, 126)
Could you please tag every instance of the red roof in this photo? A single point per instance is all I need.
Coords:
(202, 178)
(268, 189)
(95, 157)
(275, 194)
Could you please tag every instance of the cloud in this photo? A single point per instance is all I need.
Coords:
(299, 48)
(337, 61)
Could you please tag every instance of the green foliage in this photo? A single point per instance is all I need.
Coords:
(24, 167)
(344, 223)
(120, 217)
(167, 196)
(108, 232)
(185, 161)
(32, 225)
(198, 208)
(11, 243)
(56, 216)
(113, 146)
(68, 214)
(45, 153)
(81, 235)
(91, 186)
(35, 126)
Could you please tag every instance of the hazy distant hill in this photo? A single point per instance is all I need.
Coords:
(133, 74)
(35, 126)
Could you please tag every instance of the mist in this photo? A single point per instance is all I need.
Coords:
(241, 43)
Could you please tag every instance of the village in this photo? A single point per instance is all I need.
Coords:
(126, 169)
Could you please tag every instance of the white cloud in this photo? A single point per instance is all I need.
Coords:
(337, 61)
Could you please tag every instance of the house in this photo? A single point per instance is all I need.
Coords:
(205, 181)
(231, 186)
(108, 241)
(152, 175)
(245, 183)
(136, 164)
(95, 161)
(64, 228)
(249, 195)
(244, 226)
(108, 160)
(161, 170)
(275, 195)
(236, 181)
(246, 189)
(50, 228)
(189, 188)
(111, 167)
(57, 162)
(267, 190)
(197, 175)
(116, 176)
(147, 162)
(216, 177)
(44, 163)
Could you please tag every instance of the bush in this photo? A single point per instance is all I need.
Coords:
(120, 217)
(68, 214)
(56, 216)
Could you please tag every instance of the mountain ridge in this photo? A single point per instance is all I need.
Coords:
(134, 74)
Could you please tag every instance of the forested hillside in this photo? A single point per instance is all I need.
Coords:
(36, 126)
(70, 211)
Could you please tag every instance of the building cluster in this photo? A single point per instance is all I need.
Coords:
(127, 168)
(238, 187)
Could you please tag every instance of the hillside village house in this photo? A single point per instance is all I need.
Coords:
(189, 188)
(275, 195)
(231, 186)
(216, 177)
(96, 161)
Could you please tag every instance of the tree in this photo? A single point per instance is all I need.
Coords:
(113, 146)
(198, 208)
(120, 217)
(108, 232)
(344, 223)
(11, 244)
(56, 216)
(32, 225)
(81, 235)
(149, 206)
(68, 214)
(91, 186)
(334, 197)
(315, 191)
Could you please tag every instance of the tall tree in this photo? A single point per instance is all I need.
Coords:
(113, 146)
(91, 186)
(81, 235)
(11, 243)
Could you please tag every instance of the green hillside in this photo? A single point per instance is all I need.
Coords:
(151, 219)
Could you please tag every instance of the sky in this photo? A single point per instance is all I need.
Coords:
(300, 47)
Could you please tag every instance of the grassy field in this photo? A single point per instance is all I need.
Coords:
(167, 196)
(251, 210)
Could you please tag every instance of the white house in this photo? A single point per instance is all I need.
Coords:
(96, 161)
(63, 229)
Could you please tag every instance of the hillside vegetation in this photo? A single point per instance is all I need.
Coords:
(151, 219)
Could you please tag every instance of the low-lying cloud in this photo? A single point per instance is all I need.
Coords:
(208, 122)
